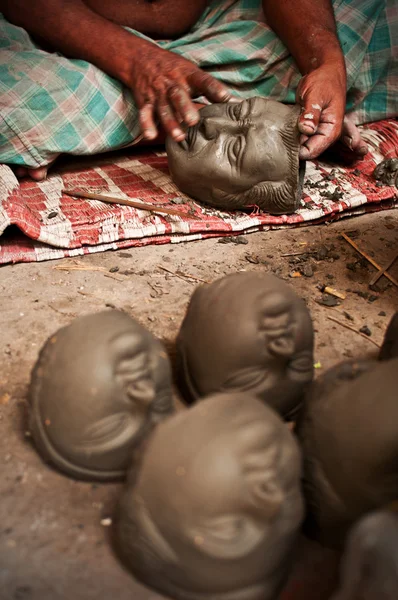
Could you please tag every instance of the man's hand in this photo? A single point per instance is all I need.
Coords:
(322, 95)
(163, 84)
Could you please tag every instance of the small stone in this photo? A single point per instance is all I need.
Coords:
(328, 300)
(372, 298)
(365, 329)
(307, 271)
(113, 269)
(329, 276)
(382, 313)
(52, 214)
(348, 316)
(107, 522)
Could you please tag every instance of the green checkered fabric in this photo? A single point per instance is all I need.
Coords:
(51, 105)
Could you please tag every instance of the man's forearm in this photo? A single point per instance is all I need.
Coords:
(308, 29)
(72, 28)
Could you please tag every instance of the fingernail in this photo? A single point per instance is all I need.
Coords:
(177, 134)
(308, 125)
(150, 134)
(348, 141)
(192, 118)
(363, 149)
(224, 96)
(235, 99)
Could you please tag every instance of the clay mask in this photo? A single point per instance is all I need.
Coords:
(247, 332)
(389, 348)
(97, 388)
(369, 568)
(348, 430)
(240, 155)
(214, 509)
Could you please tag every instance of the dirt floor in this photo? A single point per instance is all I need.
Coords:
(54, 532)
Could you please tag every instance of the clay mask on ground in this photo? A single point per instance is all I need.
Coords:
(98, 387)
(348, 431)
(389, 348)
(240, 155)
(214, 510)
(247, 332)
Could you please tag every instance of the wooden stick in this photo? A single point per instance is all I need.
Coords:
(366, 337)
(369, 259)
(125, 201)
(376, 277)
(182, 275)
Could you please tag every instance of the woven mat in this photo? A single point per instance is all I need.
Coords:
(38, 222)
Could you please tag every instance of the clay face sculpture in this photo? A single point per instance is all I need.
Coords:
(241, 154)
(389, 348)
(214, 509)
(349, 435)
(98, 387)
(247, 332)
(370, 562)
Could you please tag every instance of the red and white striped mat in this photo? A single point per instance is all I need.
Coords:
(38, 222)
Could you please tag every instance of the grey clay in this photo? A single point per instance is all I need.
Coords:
(387, 171)
(348, 431)
(214, 510)
(389, 348)
(247, 332)
(240, 155)
(369, 569)
(98, 387)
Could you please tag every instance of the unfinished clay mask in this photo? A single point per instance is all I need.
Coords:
(214, 510)
(370, 563)
(348, 430)
(241, 154)
(98, 387)
(389, 348)
(247, 332)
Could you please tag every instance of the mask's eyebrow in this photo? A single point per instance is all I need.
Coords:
(241, 111)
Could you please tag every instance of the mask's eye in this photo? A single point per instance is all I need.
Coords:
(235, 111)
(235, 148)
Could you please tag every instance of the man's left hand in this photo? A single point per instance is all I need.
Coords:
(322, 96)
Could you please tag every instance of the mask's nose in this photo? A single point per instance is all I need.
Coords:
(211, 127)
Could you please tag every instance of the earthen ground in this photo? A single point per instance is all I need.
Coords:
(54, 532)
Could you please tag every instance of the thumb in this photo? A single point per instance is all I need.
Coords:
(310, 111)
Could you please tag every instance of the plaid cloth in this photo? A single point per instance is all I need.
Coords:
(51, 105)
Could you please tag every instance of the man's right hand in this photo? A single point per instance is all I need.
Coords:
(163, 84)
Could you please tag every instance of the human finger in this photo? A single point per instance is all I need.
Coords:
(310, 114)
(326, 134)
(203, 83)
(183, 106)
(147, 122)
(169, 120)
(351, 137)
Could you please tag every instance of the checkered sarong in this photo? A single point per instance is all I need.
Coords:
(50, 105)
